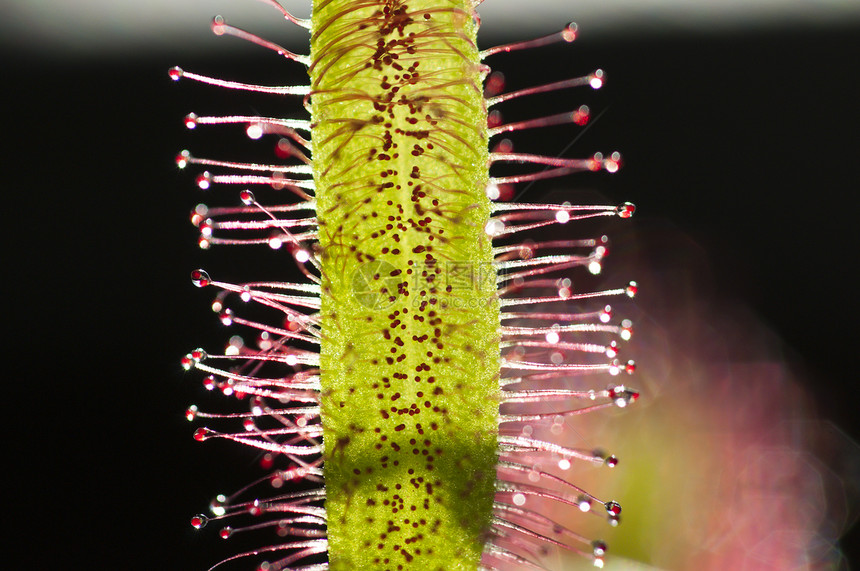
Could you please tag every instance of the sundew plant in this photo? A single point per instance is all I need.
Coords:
(436, 333)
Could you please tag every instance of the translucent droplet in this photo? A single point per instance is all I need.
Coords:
(201, 434)
(584, 504)
(562, 216)
(614, 367)
(217, 505)
(246, 294)
(493, 192)
(218, 26)
(626, 330)
(581, 116)
(199, 214)
(235, 345)
(204, 180)
(267, 461)
(254, 131)
(494, 227)
(187, 362)
(182, 161)
(199, 521)
(495, 84)
(175, 73)
(249, 425)
(632, 289)
(200, 278)
(226, 317)
(206, 228)
(247, 197)
(225, 532)
(612, 349)
(611, 461)
(598, 548)
(630, 368)
(505, 146)
(198, 355)
(625, 210)
(613, 163)
(622, 395)
(596, 79)
(606, 314)
(255, 508)
(613, 508)
(519, 499)
(302, 255)
(191, 413)
(568, 34)
(190, 121)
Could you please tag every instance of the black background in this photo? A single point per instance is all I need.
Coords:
(745, 142)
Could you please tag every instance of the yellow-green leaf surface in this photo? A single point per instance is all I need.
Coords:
(410, 348)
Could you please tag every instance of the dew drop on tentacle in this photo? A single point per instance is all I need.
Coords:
(632, 289)
(204, 180)
(254, 131)
(190, 121)
(584, 503)
(187, 362)
(568, 34)
(200, 278)
(626, 210)
(199, 521)
(182, 159)
(218, 505)
(247, 197)
(613, 508)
